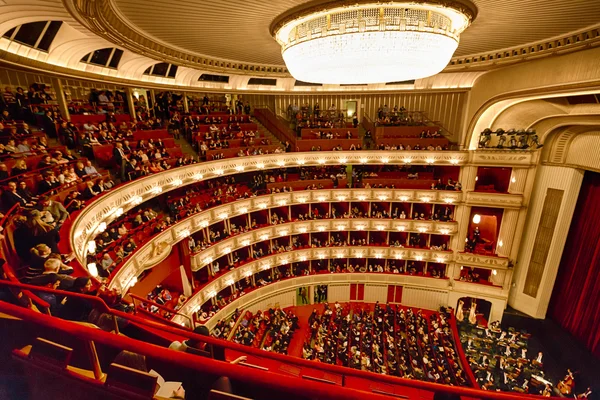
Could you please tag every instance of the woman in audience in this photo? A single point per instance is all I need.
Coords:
(89, 191)
(20, 167)
(72, 203)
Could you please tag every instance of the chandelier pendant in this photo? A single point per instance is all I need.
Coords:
(361, 42)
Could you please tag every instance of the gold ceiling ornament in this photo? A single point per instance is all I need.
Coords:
(358, 42)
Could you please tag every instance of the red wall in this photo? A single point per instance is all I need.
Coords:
(158, 274)
(493, 179)
(491, 218)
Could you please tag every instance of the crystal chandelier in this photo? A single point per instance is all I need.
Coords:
(361, 42)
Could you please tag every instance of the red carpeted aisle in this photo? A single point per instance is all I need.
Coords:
(303, 313)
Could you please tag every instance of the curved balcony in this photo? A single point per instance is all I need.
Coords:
(159, 247)
(205, 257)
(433, 291)
(96, 215)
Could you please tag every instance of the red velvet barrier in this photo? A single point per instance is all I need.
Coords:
(285, 377)
(412, 142)
(97, 118)
(312, 132)
(33, 160)
(153, 134)
(424, 184)
(229, 153)
(326, 144)
(103, 154)
(244, 127)
(575, 303)
(461, 353)
(301, 185)
(185, 361)
(82, 119)
(234, 142)
(227, 118)
(405, 131)
(288, 365)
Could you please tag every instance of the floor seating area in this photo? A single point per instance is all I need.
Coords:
(270, 330)
(390, 339)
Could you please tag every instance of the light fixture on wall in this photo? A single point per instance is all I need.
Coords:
(365, 41)
(476, 218)
(92, 269)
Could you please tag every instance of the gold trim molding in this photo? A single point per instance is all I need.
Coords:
(103, 19)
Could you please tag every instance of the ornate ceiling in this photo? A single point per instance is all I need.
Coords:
(238, 30)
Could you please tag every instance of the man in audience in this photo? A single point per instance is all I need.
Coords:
(24, 192)
(57, 210)
(90, 170)
(49, 183)
(108, 264)
(119, 158)
(10, 197)
(49, 124)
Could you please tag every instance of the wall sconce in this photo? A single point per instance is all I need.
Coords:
(92, 269)
(476, 218)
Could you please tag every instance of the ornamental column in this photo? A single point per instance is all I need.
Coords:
(462, 214)
(467, 177)
(186, 106)
(130, 102)
(61, 99)
(518, 179)
(506, 236)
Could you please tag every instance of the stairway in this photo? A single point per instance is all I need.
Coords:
(265, 133)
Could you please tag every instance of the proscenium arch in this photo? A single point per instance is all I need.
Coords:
(574, 146)
(489, 113)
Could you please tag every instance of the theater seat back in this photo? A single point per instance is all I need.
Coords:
(218, 395)
(51, 353)
(125, 380)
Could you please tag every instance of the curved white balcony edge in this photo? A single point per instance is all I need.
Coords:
(205, 257)
(127, 196)
(421, 282)
(150, 253)
(389, 253)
